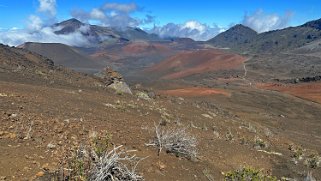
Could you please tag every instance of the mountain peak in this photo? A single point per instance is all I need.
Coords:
(70, 22)
(313, 24)
(68, 26)
(238, 34)
(241, 27)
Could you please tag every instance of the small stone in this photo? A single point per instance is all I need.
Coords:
(45, 166)
(212, 114)
(60, 143)
(151, 94)
(181, 99)
(161, 165)
(12, 135)
(40, 174)
(216, 134)
(14, 115)
(51, 146)
(207, 116)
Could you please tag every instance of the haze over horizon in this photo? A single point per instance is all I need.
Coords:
(29, 20)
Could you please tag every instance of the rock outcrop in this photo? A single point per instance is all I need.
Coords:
(114, 80)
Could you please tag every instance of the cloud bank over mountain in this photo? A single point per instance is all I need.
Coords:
(39, 24)
(262, 22)
(38, 29)
(113, 15)
(189, 29)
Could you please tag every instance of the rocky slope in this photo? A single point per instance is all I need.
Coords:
(24, 66)
(49, 115)
(64, 55)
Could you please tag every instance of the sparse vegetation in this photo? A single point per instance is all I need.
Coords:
(115, 165)
(297, 153)
(313, 161)
(175, 140)
(259, 143)
(28, 135)
(97, 162)
(207, 174)
(247, 174)
(101, 143)
(229, 136)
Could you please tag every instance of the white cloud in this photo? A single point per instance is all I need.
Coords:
(120, 7)
(262, 22)
(37, 31)
(14, 37)
(113, 15)
(190, 29)
(97, 14)
(34, 23)
(194, 25)
(47, 6)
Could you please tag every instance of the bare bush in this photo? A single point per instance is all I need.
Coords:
(175, 140)
(28, 136)
(114, 166)
(309, 177)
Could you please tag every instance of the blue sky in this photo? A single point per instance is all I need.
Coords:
(14, 13)
(30, 20)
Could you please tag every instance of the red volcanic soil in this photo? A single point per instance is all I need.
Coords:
(194, 92)
(105, 55)
(144, 47)
(310, 91)
(197, 62)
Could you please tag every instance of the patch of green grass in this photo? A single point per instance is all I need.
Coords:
(101, 143)
(247, 174)
(259, 143)
(313, 161)
(298, 153)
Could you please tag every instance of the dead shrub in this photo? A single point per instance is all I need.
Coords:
(175, 140)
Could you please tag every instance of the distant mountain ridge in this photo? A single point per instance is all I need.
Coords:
(244, 39)
(102, 35)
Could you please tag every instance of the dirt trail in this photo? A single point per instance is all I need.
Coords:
(245, 72)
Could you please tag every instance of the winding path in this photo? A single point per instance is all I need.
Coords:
(245, 72)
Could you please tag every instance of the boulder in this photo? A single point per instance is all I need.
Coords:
(120, 87)
(114, 80)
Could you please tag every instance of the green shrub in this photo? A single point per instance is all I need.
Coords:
(248, 174)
